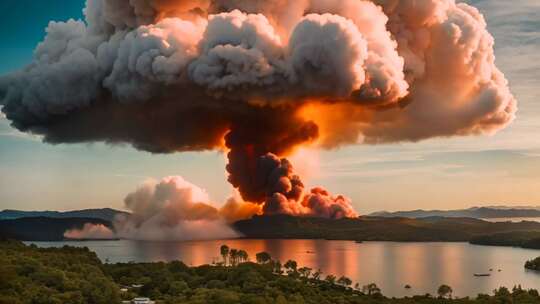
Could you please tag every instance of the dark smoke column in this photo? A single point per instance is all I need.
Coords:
(262, 177)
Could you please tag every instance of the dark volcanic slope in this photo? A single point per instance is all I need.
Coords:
(376, 229)
(43, 228)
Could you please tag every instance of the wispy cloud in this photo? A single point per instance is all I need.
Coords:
(7, 131)
(134, 176)
(393, 172)
(20, 135)
(437, 164)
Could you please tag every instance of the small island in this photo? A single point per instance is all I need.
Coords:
(533, 264)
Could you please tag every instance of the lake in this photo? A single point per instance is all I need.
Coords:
(424, 266)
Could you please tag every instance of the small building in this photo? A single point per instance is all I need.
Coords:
(142, 301)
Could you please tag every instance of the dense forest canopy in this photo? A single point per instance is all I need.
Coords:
(53, 275)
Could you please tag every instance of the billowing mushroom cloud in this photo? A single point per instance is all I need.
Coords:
(260, 78)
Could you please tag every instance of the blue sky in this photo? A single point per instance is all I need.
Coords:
(19, 36)
(436, 174)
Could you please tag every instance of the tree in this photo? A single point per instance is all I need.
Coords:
(445, 291)
(243, 256)
(291, 268)
(343, 280)
(317, 275)
(371, 289)
(502, 292)
(263, 257)
(290, 264)
(224, 253)
(305, 272)
(276, 267)
(331, 279)
(177, 287)
(533, 264)
(233, 257)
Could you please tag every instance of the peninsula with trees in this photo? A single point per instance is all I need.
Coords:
(29, 274)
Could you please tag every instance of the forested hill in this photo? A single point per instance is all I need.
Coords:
(376, 228)
(475, 212)
(30, 275)
(107, 214)
(43, 228)
(436, 229)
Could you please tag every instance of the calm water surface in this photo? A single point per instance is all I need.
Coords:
(424, 266)
(512, 219)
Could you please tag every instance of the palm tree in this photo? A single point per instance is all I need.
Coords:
(233, 257)
(263, 257)
(243, 256)
(445, 291)
(276, 265)
(224, 253)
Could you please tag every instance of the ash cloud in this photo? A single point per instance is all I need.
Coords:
(260, 78)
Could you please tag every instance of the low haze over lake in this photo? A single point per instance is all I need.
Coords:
(424, 266)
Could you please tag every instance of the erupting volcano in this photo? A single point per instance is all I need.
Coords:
(258, 79)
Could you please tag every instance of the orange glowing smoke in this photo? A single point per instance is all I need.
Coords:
(262, 78)
(335, 122)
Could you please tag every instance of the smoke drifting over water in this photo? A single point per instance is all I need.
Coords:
(90, 231)
(261, 78)
(170, 210)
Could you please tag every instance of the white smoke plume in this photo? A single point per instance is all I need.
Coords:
(260, 78)
(170, 210)
(90, 231)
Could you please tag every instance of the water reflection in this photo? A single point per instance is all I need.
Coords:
(390, 265)
(513, 219)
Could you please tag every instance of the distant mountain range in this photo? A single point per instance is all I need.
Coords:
(106, 214)
(474, 212)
